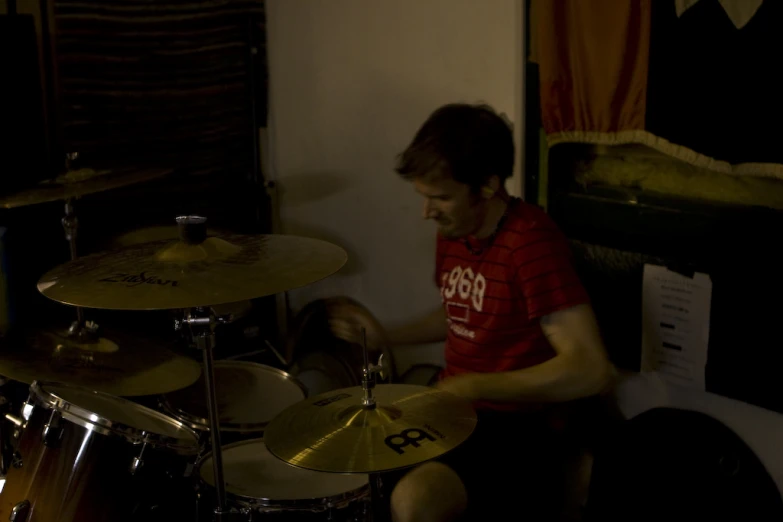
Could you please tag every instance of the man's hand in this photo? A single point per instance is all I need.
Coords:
(346, 318)
(461, 385)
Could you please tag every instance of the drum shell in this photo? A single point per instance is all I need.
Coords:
(349, 509)
(261, 388)
(86, 476)
(350, 506)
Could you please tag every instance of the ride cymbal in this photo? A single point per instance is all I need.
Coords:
(115, 363)
(172, 274)
(80, 182)
(334, 432)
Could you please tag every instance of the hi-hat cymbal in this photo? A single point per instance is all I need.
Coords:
(115, 363)
(334, 432)
(80, 182)
(172, 274)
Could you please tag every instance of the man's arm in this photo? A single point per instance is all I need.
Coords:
(429, 329)
(580, 368)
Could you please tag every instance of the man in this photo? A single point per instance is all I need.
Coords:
(519, 330)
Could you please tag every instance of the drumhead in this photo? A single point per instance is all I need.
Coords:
(253, 473)
(112, 415)
(249, 396)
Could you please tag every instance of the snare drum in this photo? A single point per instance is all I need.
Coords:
(249, 396)
(264, 487)
(86, 455)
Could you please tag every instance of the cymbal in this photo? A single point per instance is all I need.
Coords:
(172, 274)
(230, 311)
(115, 363)
(151, 233)
(334, 432)
(80, 182)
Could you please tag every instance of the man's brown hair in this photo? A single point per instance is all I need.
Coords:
(469, 143)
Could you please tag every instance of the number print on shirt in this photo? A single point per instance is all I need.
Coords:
(465, 284)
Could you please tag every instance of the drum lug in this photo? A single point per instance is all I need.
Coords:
(20, 511)
(52, 431)
(27, 408)
(138, 460)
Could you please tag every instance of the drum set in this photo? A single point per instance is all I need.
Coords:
(243, 440)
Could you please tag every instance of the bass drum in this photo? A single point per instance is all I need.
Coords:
(249, 396)
(90, 456)
(264, 487)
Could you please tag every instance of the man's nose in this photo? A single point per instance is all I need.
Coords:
(428, 211)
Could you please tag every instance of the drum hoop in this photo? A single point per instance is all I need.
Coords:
(266, 504)
(197, 423)
(92, 421)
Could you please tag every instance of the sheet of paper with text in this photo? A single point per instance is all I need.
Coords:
(675, 325)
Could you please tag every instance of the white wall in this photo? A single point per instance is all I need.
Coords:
(762, 430)
(350, 82)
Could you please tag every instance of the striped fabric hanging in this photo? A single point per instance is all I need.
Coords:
(172, 83)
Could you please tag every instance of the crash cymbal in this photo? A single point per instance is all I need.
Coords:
(229, 311)
(173, 274)
(148, 234)
(79, 182)
(115, 362)
(334, 432)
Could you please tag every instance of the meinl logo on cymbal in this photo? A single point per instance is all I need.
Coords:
(132, 280)
(407, 437)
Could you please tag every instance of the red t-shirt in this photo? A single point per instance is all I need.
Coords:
(495, 296)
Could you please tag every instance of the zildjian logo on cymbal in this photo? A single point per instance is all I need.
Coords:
(137, 279)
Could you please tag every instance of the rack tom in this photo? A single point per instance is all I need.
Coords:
(249, 396)
(86, 455)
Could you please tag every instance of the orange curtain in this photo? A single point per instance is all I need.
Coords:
(593, 58)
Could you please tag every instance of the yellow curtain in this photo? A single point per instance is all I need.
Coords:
(594, 74)
(593, 59)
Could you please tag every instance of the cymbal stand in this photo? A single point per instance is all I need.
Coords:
(369, 371)
(71, 226)
(79, 329)
(201, 323)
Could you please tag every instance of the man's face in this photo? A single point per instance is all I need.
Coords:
(457, 211)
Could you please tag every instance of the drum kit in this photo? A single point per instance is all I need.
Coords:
(243, 437)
